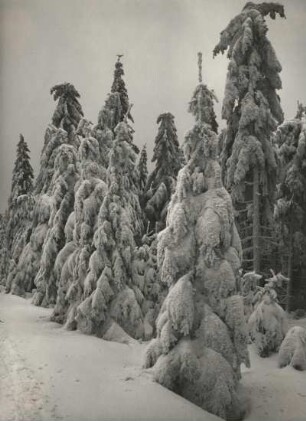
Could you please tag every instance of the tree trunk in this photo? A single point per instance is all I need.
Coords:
(290, 267)
(256, 221)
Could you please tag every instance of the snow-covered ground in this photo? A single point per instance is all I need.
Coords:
(47, 373)
(275, 394)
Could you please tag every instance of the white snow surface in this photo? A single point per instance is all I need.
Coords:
(48, 373)
(275, 394)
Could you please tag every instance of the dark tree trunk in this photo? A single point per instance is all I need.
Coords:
(256, 221)
(290, 271)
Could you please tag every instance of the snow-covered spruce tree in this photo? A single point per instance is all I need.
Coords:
(142, 182)
(161, 181)
(57, 178)
(252, 110)
(201, 331)
(293, 349)
(20, 204)
(290, 208)
(146, 273)
(248, 288)
(71, 264)
(143, 168)
(118, 87)
(66, 118)
(110, 293)
(28, 265)
(22, 180)
(62, 201)
(268, 322)
(22, 276)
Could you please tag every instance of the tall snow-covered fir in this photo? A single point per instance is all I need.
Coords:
(65, 173)
(22, 180)
(20, 208)
(161, 181)
(143, 168)
(54, 198)
(71, 263)
(252, 109)
(290, 208)
(118, 87)
(68, 110)
(96, 268)
(110, 293)
(201, 331)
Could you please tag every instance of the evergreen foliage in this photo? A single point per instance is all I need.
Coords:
(201, 331)
(71, 264)
(143, 169)
(161, 181)
(268, 322)
(61, 205)
(54, 197)
(22, 180)
(119, 87)
(21, 277)
(252, 110)
(290, 208)
(248, 287)
(293, 349)
(110, 293)
(20, 208)
(68, 111)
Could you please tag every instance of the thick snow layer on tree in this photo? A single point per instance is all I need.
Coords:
(73, 260)
(48, 373)
(28, 265)
(201, 330)
(109, 292)
(293, 349)
(61, 192)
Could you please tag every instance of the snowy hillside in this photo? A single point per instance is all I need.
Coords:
(48, 373)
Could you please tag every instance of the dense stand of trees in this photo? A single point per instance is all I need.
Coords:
(118, 250)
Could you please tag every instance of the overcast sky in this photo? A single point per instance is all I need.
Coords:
(45, 42)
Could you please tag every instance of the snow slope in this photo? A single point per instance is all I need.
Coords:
(47, 373)
(275, 394)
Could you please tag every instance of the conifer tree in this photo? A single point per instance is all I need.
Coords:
(201, 331)
(118, 87)
(68, 110)
(20, 200)
(252, 110)
(290, 209)
(62, 200)
(22, 181)
(71, 264)
(268, 323)
(143, 178)
(161, 181)
(110, 293)
(54, 197)
(143, 168)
